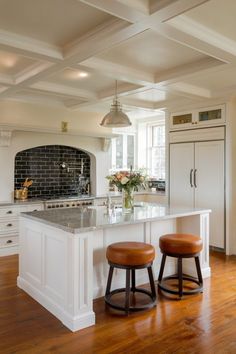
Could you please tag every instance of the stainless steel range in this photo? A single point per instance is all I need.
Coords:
(68, 202)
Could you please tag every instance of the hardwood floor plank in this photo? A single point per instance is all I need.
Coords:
(204, 323)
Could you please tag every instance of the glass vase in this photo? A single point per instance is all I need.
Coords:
(127, 200)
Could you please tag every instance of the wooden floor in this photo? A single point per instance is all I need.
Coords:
(204, 323)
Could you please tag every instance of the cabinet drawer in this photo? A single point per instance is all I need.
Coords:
(8, 212)
(8, 241)
(9, 226)
(14, 211)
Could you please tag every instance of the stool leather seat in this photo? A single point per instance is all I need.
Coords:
(181, 244)
(130, 253)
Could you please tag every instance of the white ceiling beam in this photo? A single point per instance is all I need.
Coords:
(190, 90)
(6, 79)
(30, 71)
(197, 30)
(118, 71)
(117, 9)
(140, 5)
(165, 10)
(194, 43)
(64, 90)
(31, 47)
(137, 103)
(183, 71)
(122, 90)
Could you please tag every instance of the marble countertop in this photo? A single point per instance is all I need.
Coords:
(83, 219)
(79, 197)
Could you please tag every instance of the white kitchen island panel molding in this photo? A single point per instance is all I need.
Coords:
(56, 270)
(63, 262)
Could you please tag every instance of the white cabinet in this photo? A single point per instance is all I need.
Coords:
(9, 229)
(206, 116)
(197, 180)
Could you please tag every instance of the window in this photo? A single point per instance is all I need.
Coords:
(157, 151)
(123, 152)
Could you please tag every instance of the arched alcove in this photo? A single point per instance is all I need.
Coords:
(56, 170)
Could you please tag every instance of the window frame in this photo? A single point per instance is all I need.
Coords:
(125, 152)
(151, 147)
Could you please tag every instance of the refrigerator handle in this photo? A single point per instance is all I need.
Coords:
(191, 177)
(195, 178)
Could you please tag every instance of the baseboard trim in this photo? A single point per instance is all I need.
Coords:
(74, 323)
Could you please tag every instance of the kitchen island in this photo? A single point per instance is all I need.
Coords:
(62, 262)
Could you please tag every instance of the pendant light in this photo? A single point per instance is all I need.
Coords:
(115, 118)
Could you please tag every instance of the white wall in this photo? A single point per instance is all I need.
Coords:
(25, 140)
(37, 117)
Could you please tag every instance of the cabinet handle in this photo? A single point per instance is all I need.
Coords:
(191, 177)
(195, 178)
(9, 212)
(9, 241)
(9, 225)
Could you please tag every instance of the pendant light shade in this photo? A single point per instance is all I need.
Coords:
(115, 118)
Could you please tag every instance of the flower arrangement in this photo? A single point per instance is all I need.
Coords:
(127, 182)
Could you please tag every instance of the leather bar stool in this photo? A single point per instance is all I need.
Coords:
(180, 246)
(130, 256)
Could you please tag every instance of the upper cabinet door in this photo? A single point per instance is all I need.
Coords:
(181, 175)
(209, 186)
(209, 116)
(181, 120)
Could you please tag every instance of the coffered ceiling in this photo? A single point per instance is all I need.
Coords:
(164, 53)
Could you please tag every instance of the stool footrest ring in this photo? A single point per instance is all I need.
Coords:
(164, 287)
(131, 308)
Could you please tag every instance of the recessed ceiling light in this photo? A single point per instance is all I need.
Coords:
(9, 61)
(82, 74)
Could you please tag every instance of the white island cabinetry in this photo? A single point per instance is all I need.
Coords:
(62, 262)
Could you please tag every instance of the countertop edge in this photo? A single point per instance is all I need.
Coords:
(99, 227)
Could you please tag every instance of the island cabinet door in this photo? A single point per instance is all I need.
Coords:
(181, 175)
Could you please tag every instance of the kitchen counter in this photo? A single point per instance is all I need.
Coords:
(79, 197)
(62, 261)
(84, 219)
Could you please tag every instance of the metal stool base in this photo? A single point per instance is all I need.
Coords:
(130, 288)
(164, 287)
(180, 276)
(131, 308)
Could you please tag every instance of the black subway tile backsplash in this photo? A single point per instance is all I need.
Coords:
(43, 165)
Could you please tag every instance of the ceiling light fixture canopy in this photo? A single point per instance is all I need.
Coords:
(115, 118)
